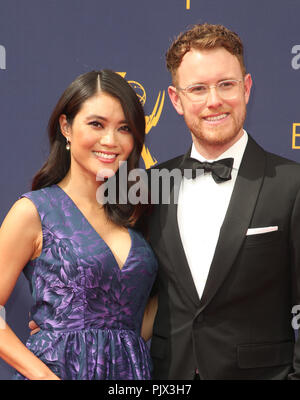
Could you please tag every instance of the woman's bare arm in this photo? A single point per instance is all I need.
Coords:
(20, 241)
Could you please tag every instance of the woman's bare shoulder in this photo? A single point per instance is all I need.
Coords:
(23, 214)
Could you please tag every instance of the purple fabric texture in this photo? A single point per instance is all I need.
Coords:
(90, 312)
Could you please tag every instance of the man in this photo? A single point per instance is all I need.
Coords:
(229, 251)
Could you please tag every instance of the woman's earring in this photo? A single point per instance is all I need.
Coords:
(68, 145)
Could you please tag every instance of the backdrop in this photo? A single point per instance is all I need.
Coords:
(45, 44)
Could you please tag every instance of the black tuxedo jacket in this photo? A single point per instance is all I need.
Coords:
(241, 328)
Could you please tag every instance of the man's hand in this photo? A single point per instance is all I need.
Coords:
(34, 328)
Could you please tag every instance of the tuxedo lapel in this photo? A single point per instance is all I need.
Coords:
(237, 219)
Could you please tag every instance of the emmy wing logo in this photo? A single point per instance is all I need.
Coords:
(2, 57)
(151, 120)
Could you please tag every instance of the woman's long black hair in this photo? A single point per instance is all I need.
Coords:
(58, 162)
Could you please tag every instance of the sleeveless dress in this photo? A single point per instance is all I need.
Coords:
(89, 310)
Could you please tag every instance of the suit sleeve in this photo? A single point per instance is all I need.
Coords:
(295, 264)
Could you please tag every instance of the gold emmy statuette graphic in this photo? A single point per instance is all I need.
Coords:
(295, 135)
(151, 120)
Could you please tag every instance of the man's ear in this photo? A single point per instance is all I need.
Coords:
(65, 127)
(247, 86)
(175, 99)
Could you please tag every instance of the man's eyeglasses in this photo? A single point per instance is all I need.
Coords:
(227, 90)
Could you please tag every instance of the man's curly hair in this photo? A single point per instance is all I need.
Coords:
(204, 37)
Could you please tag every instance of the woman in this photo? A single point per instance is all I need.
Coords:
(89, 271)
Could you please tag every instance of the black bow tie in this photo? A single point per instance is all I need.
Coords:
(220, 170)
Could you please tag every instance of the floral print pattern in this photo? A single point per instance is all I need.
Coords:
(89, 310)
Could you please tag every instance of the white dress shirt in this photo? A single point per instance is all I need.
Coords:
(202, 206)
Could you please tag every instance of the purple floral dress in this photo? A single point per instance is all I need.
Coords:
(89, 310)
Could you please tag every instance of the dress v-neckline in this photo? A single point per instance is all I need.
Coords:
(99, 236)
